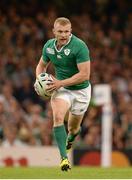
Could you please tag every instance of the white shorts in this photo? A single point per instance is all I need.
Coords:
(77, 99)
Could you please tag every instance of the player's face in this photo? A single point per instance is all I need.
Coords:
(62, 33)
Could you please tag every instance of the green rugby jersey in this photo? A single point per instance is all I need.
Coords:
(66, 59)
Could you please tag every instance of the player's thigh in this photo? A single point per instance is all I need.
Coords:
(74, 122)
(59, 108)
(81, 101)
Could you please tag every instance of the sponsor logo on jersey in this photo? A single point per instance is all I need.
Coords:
(67, 52)
(50, 51)
(59, 56)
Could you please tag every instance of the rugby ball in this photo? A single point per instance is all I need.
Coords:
(41, 84)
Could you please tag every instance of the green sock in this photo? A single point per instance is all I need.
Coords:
(71, 137)
(61, 135)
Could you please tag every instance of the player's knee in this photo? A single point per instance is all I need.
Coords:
(58, 119)
(73, 130)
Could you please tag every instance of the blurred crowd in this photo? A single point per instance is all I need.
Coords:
(26, 119)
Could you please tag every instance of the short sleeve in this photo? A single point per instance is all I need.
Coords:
(82, 53)
(44, 54)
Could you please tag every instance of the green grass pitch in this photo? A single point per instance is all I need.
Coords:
(56, 173)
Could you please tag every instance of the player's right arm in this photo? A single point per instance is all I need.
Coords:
(41, 67)
(43, 62)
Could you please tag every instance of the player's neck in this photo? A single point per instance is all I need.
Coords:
(59, 46)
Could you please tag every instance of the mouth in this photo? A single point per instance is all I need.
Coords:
(63, 39)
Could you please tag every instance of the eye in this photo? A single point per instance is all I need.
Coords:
(60, 31)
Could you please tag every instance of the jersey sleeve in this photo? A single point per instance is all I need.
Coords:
(44, 54)
(82, 53)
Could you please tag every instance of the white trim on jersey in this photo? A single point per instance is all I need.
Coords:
(62, 46)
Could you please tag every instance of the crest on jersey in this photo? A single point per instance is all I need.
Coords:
(67, 52)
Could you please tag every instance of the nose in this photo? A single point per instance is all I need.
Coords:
(63, 34)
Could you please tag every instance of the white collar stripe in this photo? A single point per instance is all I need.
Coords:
(62, 46)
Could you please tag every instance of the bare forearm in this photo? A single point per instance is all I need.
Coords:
(40, 69)
(76, 79)
(82, 75)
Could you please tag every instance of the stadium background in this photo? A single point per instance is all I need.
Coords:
(26, 120)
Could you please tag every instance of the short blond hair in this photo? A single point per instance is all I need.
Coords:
(62, 21)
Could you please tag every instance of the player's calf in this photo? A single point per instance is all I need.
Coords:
(70, 140)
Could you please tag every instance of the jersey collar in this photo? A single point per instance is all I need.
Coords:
(62, 46)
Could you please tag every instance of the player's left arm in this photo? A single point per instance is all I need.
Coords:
(83, 64)
(82, 75)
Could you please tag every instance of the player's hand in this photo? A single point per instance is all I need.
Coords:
(35, 88)
(54, 85)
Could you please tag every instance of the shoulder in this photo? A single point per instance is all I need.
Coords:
(49, 42)
(79, 42)
(48, 46)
